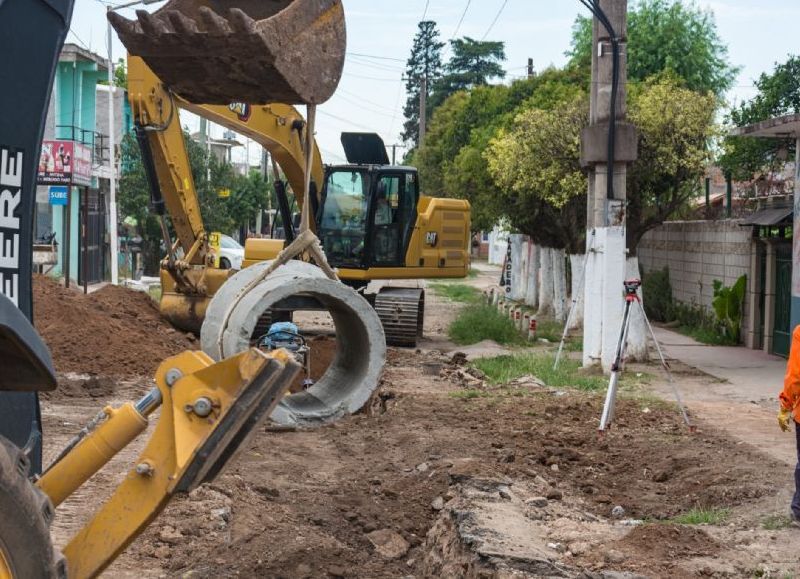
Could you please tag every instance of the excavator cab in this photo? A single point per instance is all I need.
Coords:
(367, 215)
(368, 208)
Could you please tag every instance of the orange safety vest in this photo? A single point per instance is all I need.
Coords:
(790, 397)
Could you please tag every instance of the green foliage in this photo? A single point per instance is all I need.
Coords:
(473, 63)
(701, 516)
(503, 369)
(676, 126)
(696, 322)
(657, 289)
(728, 304)
(210, 176)
(478, 322)
(778, 94)
(425, 62)
(536, 166)
(458, 292)
(666, 35)
(776, 522)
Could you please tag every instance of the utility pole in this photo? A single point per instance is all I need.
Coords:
(423, 105)
(605, 228)
(531, 72)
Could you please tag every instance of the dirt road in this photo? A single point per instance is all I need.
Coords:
(433, 481)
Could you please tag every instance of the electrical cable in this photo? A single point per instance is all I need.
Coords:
(461, 20)
(496, 18)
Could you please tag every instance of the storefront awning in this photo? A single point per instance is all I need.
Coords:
(766, 217)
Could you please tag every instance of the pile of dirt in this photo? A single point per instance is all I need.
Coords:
(114, 332)
(668, 542)
(306, 503)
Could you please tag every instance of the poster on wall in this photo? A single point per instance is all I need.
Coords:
(65, 163)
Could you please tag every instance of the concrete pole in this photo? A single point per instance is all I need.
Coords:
(605, 270)
(112, 179)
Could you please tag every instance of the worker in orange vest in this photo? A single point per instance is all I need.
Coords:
(790, 412)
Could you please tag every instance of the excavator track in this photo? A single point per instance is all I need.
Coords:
(401, 311)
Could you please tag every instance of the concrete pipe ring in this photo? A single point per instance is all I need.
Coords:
(355, 370)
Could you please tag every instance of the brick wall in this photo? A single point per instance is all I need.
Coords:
(697, 253)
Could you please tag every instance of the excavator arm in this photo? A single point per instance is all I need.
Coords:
(279, 128)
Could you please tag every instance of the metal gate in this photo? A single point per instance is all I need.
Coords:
(91, 257)
(782, 336)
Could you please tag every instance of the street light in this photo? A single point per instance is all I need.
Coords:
(112, 202)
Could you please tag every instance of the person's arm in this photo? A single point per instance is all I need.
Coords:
(791, 383)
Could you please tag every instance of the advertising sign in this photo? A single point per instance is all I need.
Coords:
(59, 195)
(65, 163)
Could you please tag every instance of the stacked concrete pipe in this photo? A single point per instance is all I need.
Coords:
(356, 368)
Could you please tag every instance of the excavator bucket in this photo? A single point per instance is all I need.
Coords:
(253, 51)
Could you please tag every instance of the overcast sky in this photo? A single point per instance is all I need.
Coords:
(379, 34)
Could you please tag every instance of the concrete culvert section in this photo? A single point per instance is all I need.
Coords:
(357, 364)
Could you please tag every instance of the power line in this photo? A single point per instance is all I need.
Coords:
(361, 104)
(372, 77)
(496, 18)
(79, 39)
(362, 99)
(461, 20)
(375, 56)
(376, 66)
(347, 121)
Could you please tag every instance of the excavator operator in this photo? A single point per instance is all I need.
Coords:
(790, 412)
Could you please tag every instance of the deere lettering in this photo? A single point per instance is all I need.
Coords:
(10, 197)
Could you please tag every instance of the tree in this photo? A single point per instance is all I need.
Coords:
(778, 95)
(473, 63)
(451, 161)
(425, 63)
(676, 127)
(225, 214)
(666, 35)
(536, 165)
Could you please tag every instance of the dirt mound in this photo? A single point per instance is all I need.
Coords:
(113, 332)
(668, 542)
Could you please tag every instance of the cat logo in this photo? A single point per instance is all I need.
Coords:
(431, 238)
(242, 111)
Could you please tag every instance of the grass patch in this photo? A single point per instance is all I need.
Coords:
(569, 374)
(776, 522)
(706, 335)
(478, 322)
(472, 273)
(702, 517)
(154, 291)
(549, 330)
(457, 292)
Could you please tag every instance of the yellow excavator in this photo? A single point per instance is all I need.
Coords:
(204, 408)
(369, 215)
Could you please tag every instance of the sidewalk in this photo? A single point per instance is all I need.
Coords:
(753, 375)
(740, 398)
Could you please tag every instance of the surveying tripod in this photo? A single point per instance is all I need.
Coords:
(632, 297)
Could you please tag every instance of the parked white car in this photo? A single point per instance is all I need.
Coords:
(231, 253)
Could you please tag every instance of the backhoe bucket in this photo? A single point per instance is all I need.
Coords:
(252, 51)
